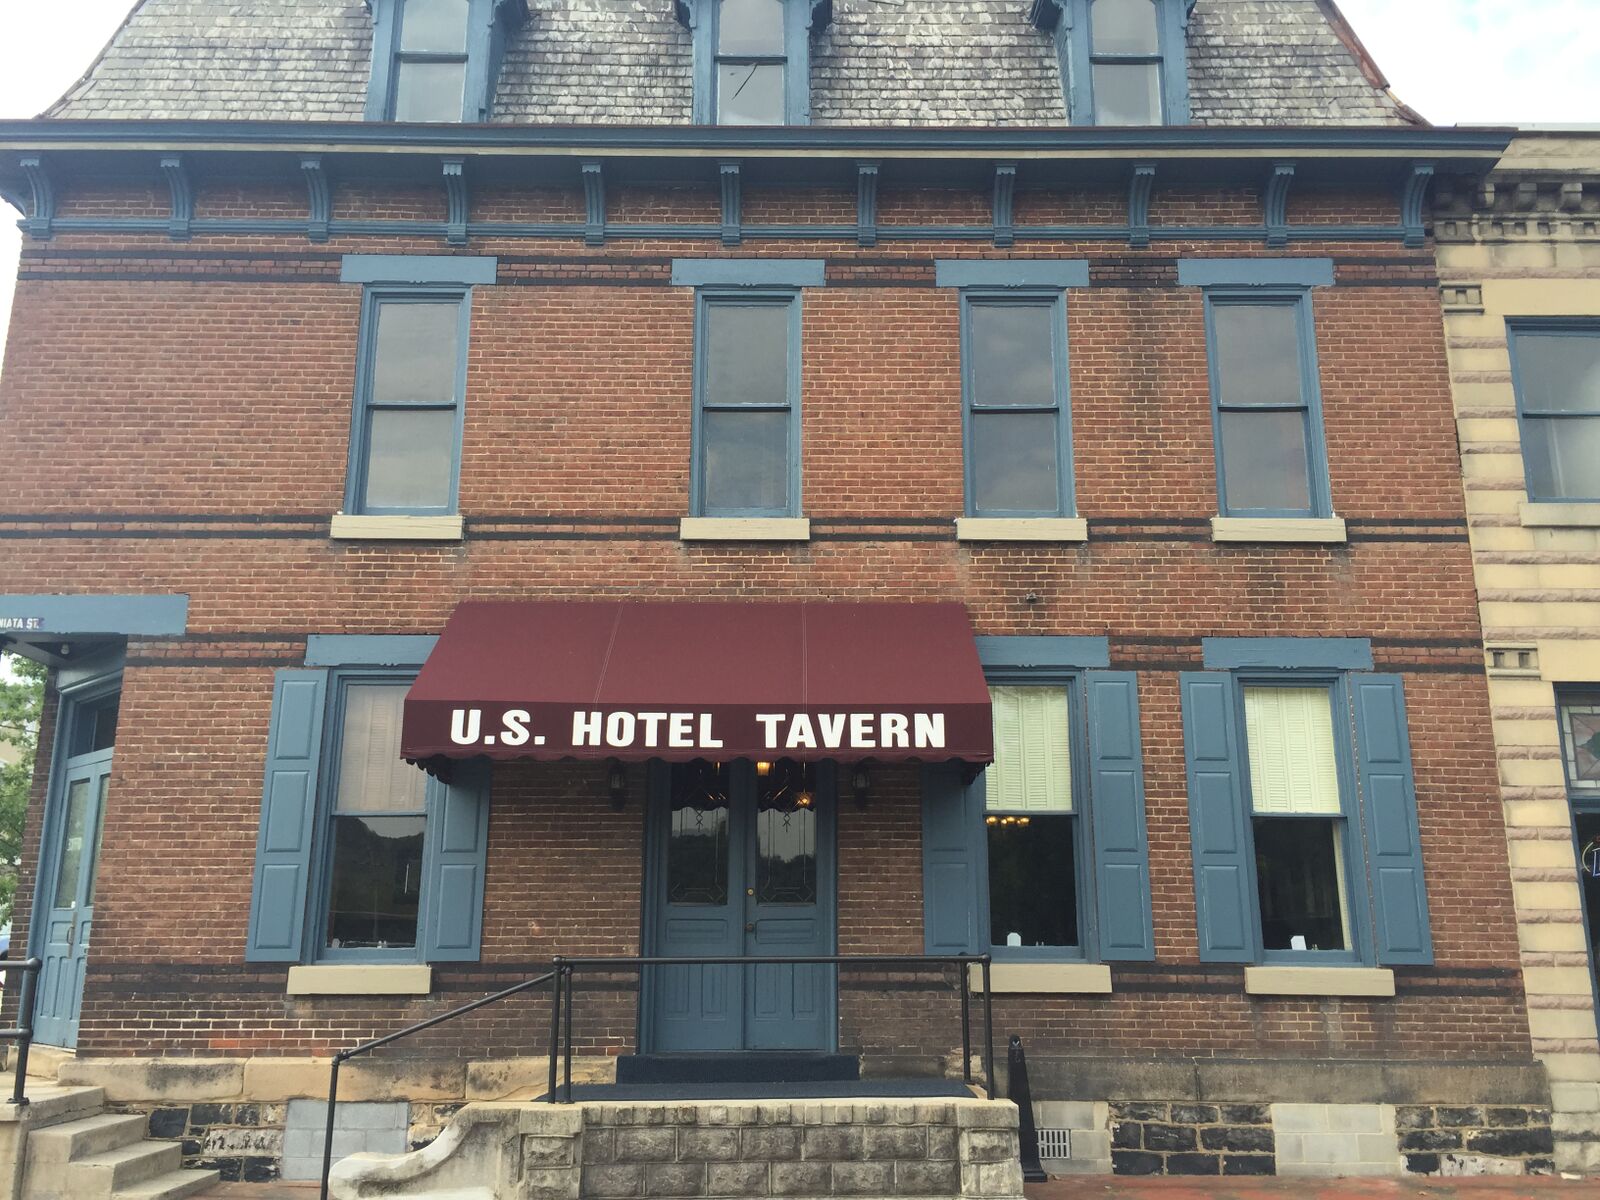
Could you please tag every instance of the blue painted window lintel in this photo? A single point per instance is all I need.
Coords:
(1021, 273)
(749, 272)
(368, 650)
(1255, 272)
(1338, 654)
(1044, 653)
(405, 269)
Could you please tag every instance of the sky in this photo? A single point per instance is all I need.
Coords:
(1470, 62)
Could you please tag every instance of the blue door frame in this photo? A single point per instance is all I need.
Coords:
(739, 1008)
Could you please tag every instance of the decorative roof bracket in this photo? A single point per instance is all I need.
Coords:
(1276, 213)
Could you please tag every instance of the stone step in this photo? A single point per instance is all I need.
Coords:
(171, 1186)
(85, 1137)
(113, 1171)
(52, 1103)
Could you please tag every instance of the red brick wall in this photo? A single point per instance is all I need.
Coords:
(175, 419)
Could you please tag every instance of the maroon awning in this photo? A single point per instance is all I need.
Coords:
(679, 680)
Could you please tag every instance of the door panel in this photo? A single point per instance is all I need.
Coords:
(745, 870)
(69, 920)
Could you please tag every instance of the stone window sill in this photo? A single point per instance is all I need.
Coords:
(1022, 529)
(1045, 979)
(363, 979)
(1305, 530)
(359, 527)
(1560, 516)
(1319, 981)
(745, 529)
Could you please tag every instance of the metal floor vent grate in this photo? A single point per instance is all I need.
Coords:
(1055, 1144)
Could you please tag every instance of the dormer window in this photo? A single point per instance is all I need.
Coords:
(1123, 62)
(1125, 58)
(430, 72)
(437, 60)
(752, 59)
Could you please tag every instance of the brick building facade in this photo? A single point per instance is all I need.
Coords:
(1240, 861)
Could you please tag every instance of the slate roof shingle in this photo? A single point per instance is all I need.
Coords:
(880, 62)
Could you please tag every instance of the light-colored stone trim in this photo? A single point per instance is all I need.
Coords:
(1313, 530)
(1318, 981)
(365, 979)
(1022, 529)
(745, 529)
(1544, 515)
(1570, 661)
(360, 527)
(1542, 297)
(1052, 979)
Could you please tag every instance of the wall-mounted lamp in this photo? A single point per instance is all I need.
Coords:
(616, 784)
(860, 785)
(763, 769)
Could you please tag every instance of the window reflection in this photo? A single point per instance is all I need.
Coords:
(786, 835)
(697, 841)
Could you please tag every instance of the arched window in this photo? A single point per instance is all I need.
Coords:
(1125, 62)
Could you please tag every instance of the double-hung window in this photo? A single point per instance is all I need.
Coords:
(378, 815)
(1556, 367)
(1032, 826)
(429, 79)
(411, 386)
(1271, 460)
(1125, 57)
(1018, 418)
(752, 62)
(1303, 815)
(746, 460)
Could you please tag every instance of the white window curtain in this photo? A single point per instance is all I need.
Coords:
(373, 778)
(1292, 765)
(1032, 769)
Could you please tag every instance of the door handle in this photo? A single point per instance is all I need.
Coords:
(72, 936)
(749, 926)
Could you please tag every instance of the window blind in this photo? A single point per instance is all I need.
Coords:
(1289, 732)
(373, 777)
(1032, 769)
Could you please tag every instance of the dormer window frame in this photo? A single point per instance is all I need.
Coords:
(801, 18)
(1070, 24)
(489, 24)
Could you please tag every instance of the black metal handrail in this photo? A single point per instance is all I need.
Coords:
(22, 1035)
(565, 968)
(560, 977)
(344, 1056)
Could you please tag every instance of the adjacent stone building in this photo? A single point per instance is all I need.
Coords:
(1519, 262)
(747, 480)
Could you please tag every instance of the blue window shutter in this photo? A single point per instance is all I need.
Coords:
(1389, 822)
(457, 858)
(1121, 853)
(1224, 882)
(954, 857)
(288, 818)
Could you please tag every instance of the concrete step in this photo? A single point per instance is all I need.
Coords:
(51, 1104)
(85, 1137)
(113, 1171)
(171, 1186)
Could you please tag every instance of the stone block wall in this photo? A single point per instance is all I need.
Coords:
(1163, 1138)
(1476, 1139)
(243, 1142)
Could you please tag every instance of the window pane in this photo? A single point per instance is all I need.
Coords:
(99, 836)
(95, 726)
(747, 354)
(409, 458)
(376, 882)
(750, 28)
(1125, 27)
(1559, 373)
(1289, 732)
(1264, 461)
(697, 843)
(746, 461)
(1563, 455)
(1589, 874)
(1127, 93)
(1033, 881)
(1257, 348)
(1015, 463)
(1013, 354)
(372, 775)
(1580, 733)
(74, 835)
(434, 27)
(1300, 878)
(786, 835)
(417, 353)
(750, 94)
(430, 91)
(1032, 768)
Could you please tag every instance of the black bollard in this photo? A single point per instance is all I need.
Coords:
(1018, 1092)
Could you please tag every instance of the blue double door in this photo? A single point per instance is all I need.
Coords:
(742, 865)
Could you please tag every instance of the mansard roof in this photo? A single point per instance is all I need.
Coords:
(878, 62)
